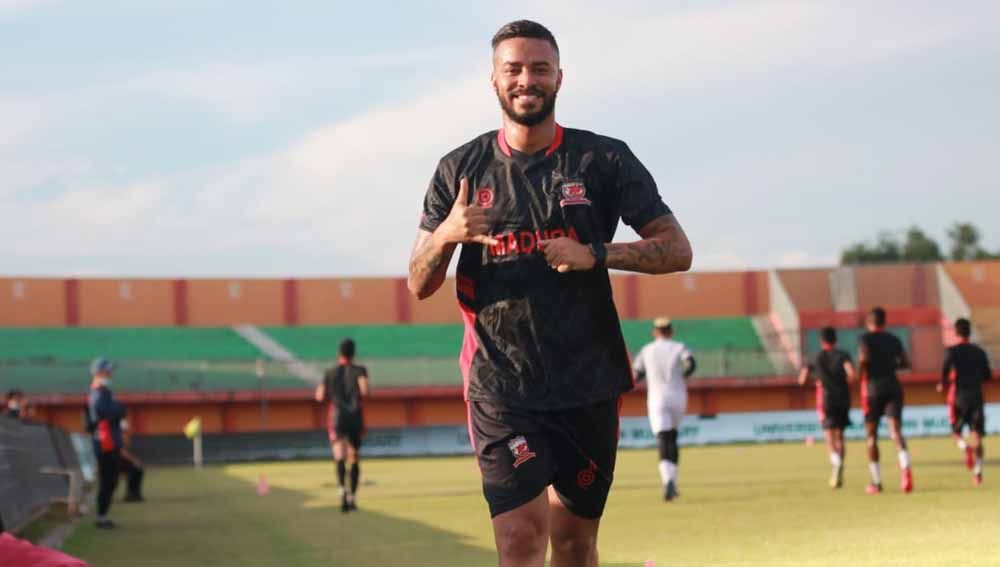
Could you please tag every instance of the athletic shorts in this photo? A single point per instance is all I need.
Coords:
(666, 418)
(521, 452)
(967, 410)
(350, 430)
(887, 402)
(834, 414)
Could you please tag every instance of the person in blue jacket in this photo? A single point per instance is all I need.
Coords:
(104, 416)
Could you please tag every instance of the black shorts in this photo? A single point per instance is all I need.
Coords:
(967, 410)
(834, 414)
(350, 430)
(521, 452)
(879, 402)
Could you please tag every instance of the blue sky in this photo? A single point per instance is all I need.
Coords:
(165, 138)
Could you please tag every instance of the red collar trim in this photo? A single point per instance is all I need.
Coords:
(827, 347)
(556, 142)
(342, 360)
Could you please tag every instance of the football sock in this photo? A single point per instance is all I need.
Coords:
(835, 460)
(876, 473)
(665, 471)
(355, 472)
(341, 472)
(904, 459)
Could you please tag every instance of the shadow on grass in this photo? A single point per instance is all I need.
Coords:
(209, 518)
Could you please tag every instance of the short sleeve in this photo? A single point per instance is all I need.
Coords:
(362, 372)
(639, 199)
(438, 201)
(810, 362)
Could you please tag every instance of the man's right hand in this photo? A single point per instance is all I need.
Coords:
(465, 223)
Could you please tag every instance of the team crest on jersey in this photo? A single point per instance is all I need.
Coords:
(484, 197)
(574, 193)
(519, 448)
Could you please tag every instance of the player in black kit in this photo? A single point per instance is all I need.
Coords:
(343, 387)
(535, 206)
(880, 355)
(834, 371)
(966, 367)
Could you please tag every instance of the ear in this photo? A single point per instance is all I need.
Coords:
(559, 79)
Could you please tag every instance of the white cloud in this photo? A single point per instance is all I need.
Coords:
(356, 186)
(11, 7)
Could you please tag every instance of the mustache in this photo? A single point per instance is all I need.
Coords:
(530, 90)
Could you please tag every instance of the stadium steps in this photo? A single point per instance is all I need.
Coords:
(770, 339)
(268, 346)
(988, 323)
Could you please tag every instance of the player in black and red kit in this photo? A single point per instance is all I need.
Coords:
(966, 367)
(343, 387)
(880, 355)
(834, 370)
(535, 206)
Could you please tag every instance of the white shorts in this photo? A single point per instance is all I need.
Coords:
(666, 418)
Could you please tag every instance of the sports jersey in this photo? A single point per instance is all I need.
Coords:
(104, 416)
(663, 362)
(884, 353)
(343, 392)
(970, 365)
(828, 366)
(535, 338)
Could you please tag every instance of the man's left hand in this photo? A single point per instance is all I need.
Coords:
(565, 254)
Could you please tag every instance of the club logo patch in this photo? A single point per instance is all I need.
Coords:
(586, 477)
(574, 193)
(484, 197)
(519, 448)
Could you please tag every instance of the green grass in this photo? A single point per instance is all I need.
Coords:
(741, 505)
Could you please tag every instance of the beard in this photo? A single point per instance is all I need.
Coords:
(528, 118)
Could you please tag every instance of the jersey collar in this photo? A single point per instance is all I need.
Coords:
(556, 142)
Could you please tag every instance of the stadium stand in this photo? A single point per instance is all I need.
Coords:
(150, 359)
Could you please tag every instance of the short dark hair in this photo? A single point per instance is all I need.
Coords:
(828, 335)
(346, 348)
(11, 394)
(524, 28)
(878, 316)
(963, 328)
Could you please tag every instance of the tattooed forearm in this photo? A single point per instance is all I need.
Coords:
(664, 248)
(428, 265)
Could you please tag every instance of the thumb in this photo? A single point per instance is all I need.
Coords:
(462, 198)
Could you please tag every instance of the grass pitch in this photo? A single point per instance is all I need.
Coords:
(764, 505)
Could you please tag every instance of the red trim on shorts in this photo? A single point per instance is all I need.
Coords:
(466, 286)
(819, 402)
(864, 395)
(470, 344)
(951, 404)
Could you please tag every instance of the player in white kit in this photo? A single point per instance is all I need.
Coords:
(665, 364)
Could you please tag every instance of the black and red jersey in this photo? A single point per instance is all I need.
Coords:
(535, 338)
(828, 366)
(885, 356)
(966, 367)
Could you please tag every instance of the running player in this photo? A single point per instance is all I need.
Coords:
(665, 364)
(966, 367)
(343, 387)
(880, 355)
(834, 370)
(534, 206)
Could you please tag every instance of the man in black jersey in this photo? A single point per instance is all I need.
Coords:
(880, 355)
(834, 370)
(343, 387)
(535, 207)
(966, 367)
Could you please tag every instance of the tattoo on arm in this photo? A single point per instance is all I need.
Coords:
(428, 265)
(664, 248)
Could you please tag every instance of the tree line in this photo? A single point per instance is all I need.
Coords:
(913, 245)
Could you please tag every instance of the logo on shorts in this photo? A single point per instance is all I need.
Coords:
(484, 197)
(519, 448)
(574, 193)
(587, 476)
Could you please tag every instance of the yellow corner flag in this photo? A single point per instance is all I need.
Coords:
(193, 428)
